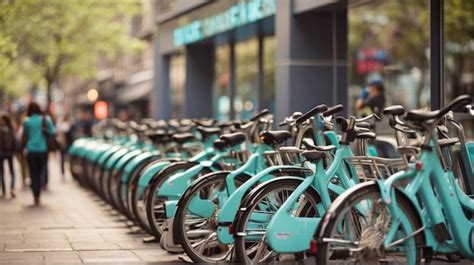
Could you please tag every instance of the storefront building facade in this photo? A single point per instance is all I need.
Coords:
(227, 59)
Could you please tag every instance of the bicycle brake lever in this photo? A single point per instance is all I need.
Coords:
(469, 109)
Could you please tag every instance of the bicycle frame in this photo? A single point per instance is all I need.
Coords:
(448, 194)
(287, 233)
(178, 183)
(231, 206)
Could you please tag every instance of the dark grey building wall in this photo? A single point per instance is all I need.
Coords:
(311, 59)
(162, 106)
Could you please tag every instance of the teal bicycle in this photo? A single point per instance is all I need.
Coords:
(207, 209)
(276, 220)
(172, 181)
(408, 216)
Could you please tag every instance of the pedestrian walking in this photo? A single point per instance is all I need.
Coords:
(8, 147)
(36, 129)
(20, 156)
(65, 138)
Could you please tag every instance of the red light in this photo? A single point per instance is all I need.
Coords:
(313, 246)
(419, 166)
(231, 229)
(101, 110)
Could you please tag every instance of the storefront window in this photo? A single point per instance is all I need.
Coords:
(221, 90)
(459, 54)
(177, 82)
(246, 63)
(269, 54)
(389, 42)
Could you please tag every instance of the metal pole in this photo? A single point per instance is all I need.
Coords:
(261, 74)
(437, 53)
(232, 87)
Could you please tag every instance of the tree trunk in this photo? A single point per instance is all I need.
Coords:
(49, 101)
(457, 75)
(423, 62)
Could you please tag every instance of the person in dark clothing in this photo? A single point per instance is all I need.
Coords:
(84, 125)
(8, 147)
(35, 128)
(373, 97)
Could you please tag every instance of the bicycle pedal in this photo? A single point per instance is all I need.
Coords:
(150, 239)
(185, 259)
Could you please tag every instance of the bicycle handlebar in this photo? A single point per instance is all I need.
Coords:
(377, 117)
(312, 112)
(260, 114)
(334, 109)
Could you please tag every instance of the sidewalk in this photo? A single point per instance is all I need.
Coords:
(71, 226)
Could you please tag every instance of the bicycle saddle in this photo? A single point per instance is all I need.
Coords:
(206, 132)
(394, 110)
(204, 122)
(219, 144)
(233, 139)
(309, 145)
(158, 136)
(313, 155)
(366, 135)
(182, 137)
(275, 137)
(421, 115)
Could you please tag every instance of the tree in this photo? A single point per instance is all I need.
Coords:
(401, 27)
(404, 33)
(63, 38)
(459, 29)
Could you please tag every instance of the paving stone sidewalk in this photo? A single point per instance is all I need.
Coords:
(71, 226)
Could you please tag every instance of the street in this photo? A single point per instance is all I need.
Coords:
(72, 226)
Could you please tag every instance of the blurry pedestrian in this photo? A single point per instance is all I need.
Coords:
(65, 138)
(372, 97)
(20, 157)
(84, 125)
(8, 146)
(35, 130)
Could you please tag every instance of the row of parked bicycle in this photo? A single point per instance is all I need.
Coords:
(241, 192)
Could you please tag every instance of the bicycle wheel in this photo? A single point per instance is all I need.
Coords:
(155, 205)
(198, 233)
(355, 228)
(250, 244)
(132, 194)
(126, 189)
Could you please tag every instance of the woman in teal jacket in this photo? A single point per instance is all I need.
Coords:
(35, 128)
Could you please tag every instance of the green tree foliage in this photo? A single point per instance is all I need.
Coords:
(459, 29)
(401, 27)
(57, 38)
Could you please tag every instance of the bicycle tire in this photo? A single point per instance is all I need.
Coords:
(332, 218)
(251, 201)
(154, 185)
(200, 185)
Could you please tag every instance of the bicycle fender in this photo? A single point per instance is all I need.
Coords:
(158, 174)
(197, 184)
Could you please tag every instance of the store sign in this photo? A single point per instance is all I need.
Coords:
(244, 12)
